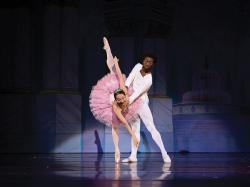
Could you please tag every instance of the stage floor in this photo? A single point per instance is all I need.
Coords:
(85, 170)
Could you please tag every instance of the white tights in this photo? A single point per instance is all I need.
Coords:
(147, 118)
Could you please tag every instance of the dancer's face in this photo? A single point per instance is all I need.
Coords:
(148, 62)
(120, 98)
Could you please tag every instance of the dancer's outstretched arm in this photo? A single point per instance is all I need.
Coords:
(118, 113)
(119, 75)
(110, 59)
(144, 88)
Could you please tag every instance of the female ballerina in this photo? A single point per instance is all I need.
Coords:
(109, 101)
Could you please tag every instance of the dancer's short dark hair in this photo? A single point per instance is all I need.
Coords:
(150, 56)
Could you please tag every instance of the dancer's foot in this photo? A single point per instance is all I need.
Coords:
(129, 160)
(105, 43)
(166, 158)
(117, 157)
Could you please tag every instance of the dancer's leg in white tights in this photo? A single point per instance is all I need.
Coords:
(147, 118)
(136, 129)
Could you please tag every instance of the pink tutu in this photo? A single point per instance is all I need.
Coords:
(101, 103)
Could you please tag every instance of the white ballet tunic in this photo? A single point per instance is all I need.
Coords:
(141, 84)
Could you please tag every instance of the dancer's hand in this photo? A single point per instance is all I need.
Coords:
(116, 60)
(135, 141)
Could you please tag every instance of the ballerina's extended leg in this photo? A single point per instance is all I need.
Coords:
(109, 60)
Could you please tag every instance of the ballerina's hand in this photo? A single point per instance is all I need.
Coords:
(116, 60)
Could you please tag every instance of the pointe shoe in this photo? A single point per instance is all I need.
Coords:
(166, 159)
(129, 160)
(117, 157)
(105, 43)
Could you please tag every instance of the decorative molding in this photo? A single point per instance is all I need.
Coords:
(204, 108)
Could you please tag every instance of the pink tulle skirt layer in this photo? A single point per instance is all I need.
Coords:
(101, 103)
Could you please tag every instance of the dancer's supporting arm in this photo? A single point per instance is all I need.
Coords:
(118, 113)
(144, 88)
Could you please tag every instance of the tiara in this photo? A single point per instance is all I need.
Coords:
(118, 90)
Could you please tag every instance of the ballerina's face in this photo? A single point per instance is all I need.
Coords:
(120, 98)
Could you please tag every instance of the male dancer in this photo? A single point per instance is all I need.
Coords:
(141, 78)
